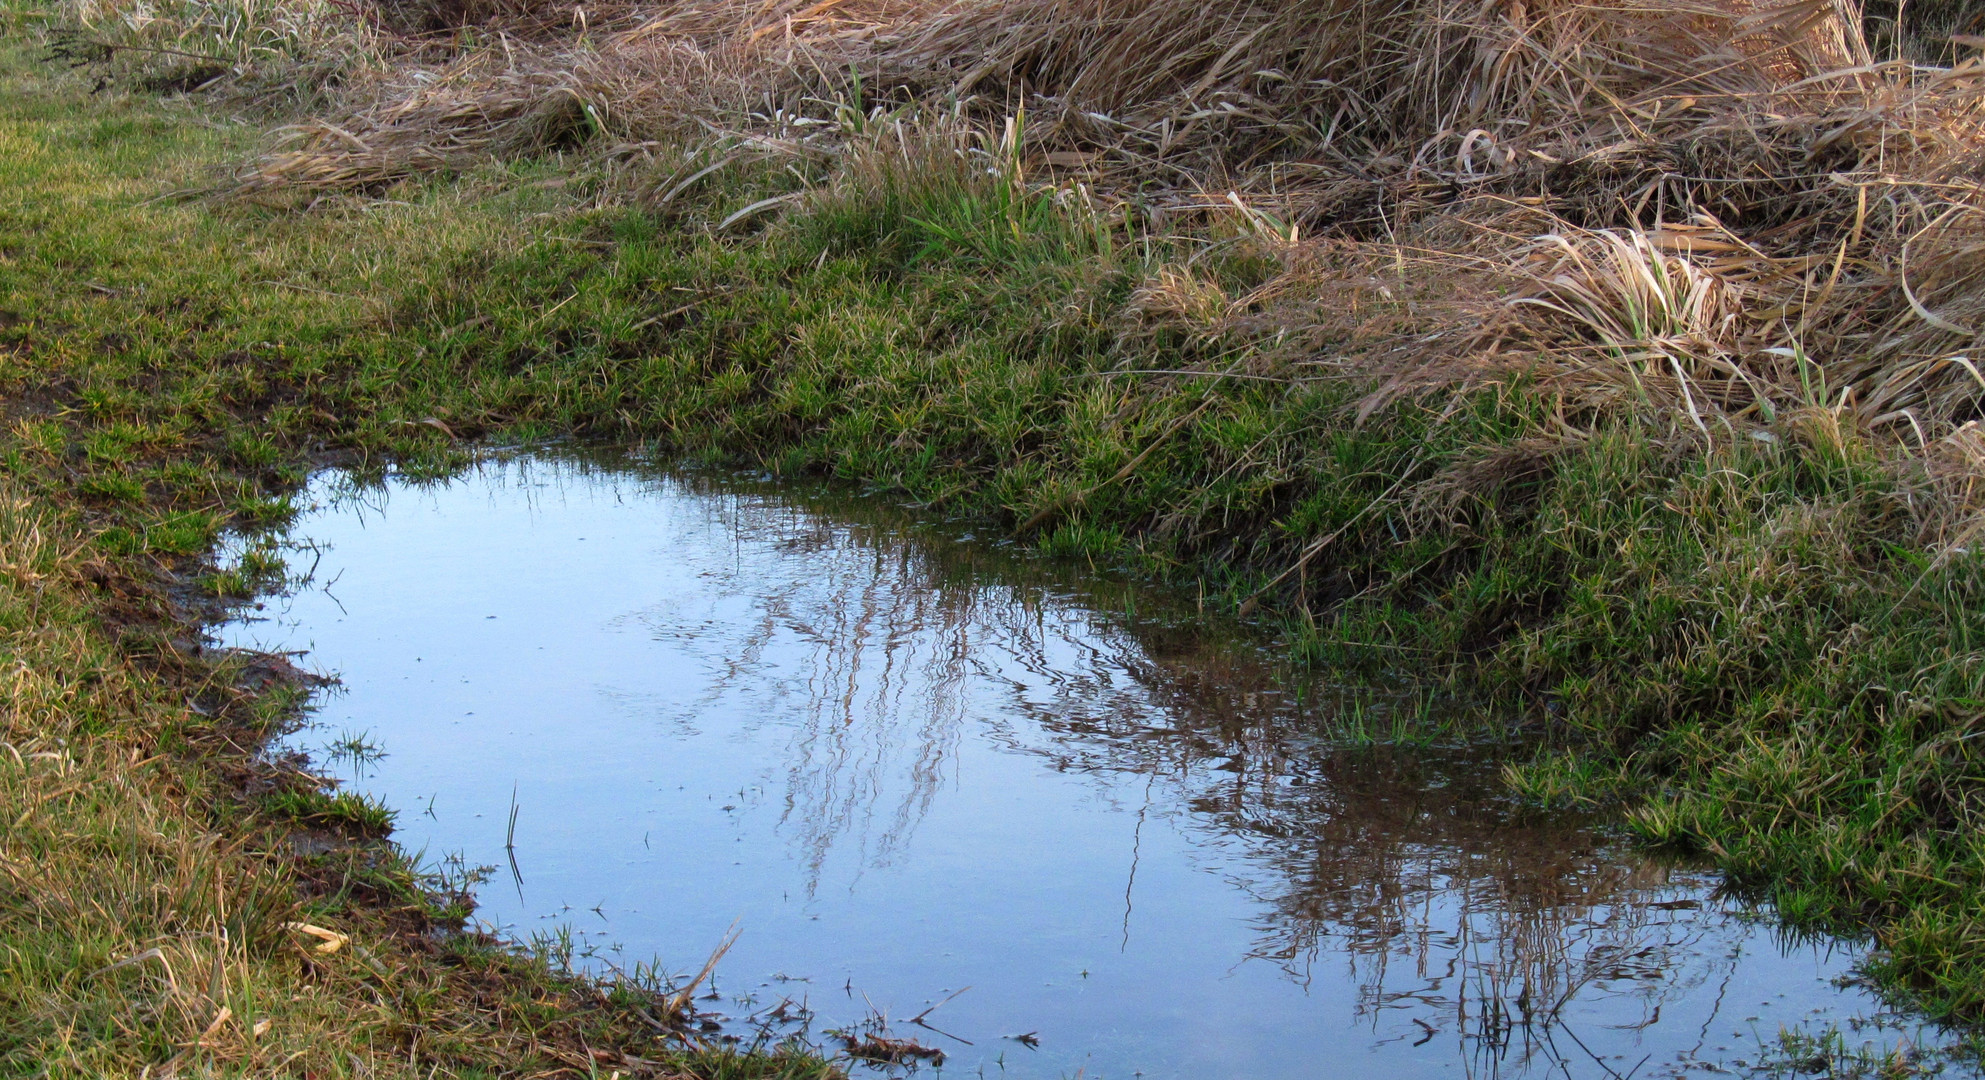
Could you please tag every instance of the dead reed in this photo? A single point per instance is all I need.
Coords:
(1718, 212)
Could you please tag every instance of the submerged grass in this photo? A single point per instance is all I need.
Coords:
(1758, 636)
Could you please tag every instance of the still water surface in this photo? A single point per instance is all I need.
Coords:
(905, 764)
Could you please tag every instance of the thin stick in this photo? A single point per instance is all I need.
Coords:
(919, 1018)
(1316, 548)
(1056, 507)
(510, 837)
(679, 1004)
(107, 46)
(1169, 371)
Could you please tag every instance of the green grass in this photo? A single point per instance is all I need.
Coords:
(1738, 645)
(344, 810)
(156, 387)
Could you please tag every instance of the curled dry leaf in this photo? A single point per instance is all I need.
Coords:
(330, 940)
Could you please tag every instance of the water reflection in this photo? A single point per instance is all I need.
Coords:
(915, 764)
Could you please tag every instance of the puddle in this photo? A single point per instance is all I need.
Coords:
(914, 771)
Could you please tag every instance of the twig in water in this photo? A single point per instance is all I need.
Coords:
(922, 1023)
(919, 1018)
(510, 846)
(510, 837)
(679, 1005)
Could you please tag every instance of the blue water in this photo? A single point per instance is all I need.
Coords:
(903, 764)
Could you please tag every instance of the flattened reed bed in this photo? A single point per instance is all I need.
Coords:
(1334, 93)
(1724, 206)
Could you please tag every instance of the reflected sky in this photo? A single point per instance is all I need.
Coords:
(904, 763)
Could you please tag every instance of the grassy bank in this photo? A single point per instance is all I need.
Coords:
(1747, 618)
(156, 877)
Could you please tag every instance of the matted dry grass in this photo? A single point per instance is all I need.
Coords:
(1723, 209)
(1332, 98)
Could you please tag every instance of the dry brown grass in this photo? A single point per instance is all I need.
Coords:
(1318, 93)
(143, 923)
(1718, 211)
(1721, 207)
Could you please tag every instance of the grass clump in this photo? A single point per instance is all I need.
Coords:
(344, 810)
